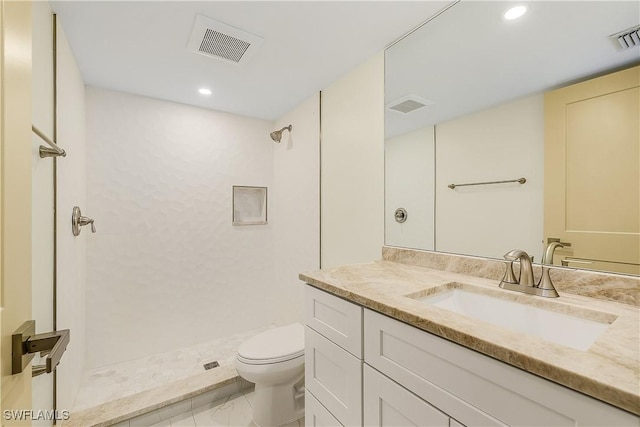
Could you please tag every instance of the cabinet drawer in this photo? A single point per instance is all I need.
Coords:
(316, 415)
(409, 356)
(389, 404)
(335, 318)
(334, 377)
(468, 385)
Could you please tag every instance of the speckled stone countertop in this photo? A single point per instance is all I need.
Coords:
(609, 370)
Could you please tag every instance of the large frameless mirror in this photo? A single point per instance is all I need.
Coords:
(468, 102)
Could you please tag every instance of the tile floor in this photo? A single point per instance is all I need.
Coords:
(234, 410)
(124, 379)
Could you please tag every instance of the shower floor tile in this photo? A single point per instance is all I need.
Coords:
(124, 379)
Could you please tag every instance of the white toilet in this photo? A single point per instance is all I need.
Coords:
(274, 361)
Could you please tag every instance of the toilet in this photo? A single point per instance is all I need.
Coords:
(274, 361)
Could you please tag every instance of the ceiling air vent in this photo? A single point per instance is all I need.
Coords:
(408, 103)
(626, 39)
(221, 41)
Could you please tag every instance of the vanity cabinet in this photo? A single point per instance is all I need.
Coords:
(412, 377)
(333, 358)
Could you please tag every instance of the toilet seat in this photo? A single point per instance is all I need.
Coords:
(273, 346)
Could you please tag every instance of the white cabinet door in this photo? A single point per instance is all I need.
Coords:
(334, 377)
(338, 320)
(388, 404)
(476, 389)
(316, 415)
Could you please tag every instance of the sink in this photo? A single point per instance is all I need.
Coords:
(491, 307)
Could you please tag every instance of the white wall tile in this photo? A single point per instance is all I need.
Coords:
(166, 268)
(71, 191)
(409, 184)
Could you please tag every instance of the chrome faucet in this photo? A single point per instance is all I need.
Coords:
(526, 283)
(547, 258)
(546, 285)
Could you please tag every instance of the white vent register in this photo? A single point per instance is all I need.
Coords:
(223, 42)
(626, 39)
(408, 103)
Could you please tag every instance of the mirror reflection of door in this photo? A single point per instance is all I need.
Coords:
(592, 183)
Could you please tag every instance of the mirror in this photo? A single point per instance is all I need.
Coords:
(465, 104)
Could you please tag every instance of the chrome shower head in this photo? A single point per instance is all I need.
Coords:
(276, 135)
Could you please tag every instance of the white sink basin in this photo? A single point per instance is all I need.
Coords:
(570, 331)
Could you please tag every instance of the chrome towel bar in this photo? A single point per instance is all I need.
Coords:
(520, 180)
(54, 151)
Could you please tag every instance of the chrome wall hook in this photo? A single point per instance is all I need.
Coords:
(77, 221)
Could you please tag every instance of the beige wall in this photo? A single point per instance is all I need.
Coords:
(296, 206)
(488, 220)
(352, 166)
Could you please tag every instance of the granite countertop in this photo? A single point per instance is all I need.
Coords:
(609, 370)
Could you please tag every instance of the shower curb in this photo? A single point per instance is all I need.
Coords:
(165, 400)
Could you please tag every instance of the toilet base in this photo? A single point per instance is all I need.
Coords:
(278, 404)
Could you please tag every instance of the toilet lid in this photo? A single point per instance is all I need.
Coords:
(275, 345)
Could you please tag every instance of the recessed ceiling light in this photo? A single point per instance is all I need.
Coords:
(515, 12)
(204, 91)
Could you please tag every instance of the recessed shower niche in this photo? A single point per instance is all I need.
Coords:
(249, 205)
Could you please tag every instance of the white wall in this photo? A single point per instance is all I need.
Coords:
(71, 191)
(296, 205)
(500, 143)
(166, 268)
(352, 171)
(409, 184)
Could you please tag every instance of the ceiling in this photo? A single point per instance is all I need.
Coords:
(469, 58)
(140, 47)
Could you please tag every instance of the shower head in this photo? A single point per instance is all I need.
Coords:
(276, 135)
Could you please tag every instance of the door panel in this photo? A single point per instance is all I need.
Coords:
(592, 170)
(42, 197)
(15, 183)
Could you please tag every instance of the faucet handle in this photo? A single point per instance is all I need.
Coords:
(77, 221)
(547, 289)
(509, 276)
